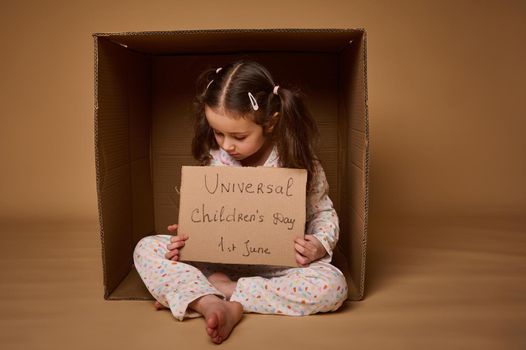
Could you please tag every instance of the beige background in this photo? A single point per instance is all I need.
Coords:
(447, 117)
(446, 97)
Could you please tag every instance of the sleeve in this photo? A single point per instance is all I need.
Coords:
(322, 220)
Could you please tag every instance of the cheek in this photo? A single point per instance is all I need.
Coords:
(252, 145)
(260, 141)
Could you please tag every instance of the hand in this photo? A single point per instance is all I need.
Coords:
(308, 250)
(176, 243)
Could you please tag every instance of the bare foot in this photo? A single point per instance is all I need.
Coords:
(223, 283)
(221, 316)
(159, 306)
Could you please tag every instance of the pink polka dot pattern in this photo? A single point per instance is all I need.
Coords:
(319, 287)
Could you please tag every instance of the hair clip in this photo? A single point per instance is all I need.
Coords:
(253, 101)
(275, 91)
(217, 71)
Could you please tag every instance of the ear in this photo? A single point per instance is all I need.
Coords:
(272, 122)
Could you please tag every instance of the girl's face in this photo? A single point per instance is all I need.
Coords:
(240, 137)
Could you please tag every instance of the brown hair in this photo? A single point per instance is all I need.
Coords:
(294, 134)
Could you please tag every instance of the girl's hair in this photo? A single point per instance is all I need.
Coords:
(294, 134)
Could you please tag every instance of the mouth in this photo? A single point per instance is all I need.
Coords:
(234, 154)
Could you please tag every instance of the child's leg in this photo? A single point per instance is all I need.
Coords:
(320, 287)
(173, 284)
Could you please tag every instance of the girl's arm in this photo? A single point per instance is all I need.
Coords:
(322, 220)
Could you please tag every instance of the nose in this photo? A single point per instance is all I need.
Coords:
(228, 145)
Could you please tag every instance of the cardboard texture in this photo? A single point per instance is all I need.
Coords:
(144, 86)
(242, 215)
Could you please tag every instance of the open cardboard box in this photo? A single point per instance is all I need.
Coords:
(144, 87)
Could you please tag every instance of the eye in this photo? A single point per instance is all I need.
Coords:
(240, 138)
(217, 133)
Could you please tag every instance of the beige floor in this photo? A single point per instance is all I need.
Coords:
(451, 284)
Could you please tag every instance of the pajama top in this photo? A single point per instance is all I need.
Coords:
(322, 221)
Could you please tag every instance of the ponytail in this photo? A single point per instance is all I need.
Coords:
(295, 132)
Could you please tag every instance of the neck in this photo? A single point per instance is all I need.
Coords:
(260, 157)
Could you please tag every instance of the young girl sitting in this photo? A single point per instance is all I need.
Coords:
(244, 119)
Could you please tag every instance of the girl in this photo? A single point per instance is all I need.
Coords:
(244, 119)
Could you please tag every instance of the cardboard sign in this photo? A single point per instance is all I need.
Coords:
(242, 215)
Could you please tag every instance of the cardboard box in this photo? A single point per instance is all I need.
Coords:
(144, 86)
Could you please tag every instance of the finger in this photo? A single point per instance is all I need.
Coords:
(175, 245)
(171, 253)
(180, 237)
(175, 258)
(298, 259)
(301, 260)
(299, 248)
(172, 228)
(309, 255)
(307, 247)
(301, 264)
(303, 244)
(177, 239)
(178, 244)
(300, 241)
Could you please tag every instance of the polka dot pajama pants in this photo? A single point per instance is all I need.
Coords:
(320, 287)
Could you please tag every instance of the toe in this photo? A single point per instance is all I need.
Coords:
(212, 321)
(217, 340)
(209, 331)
